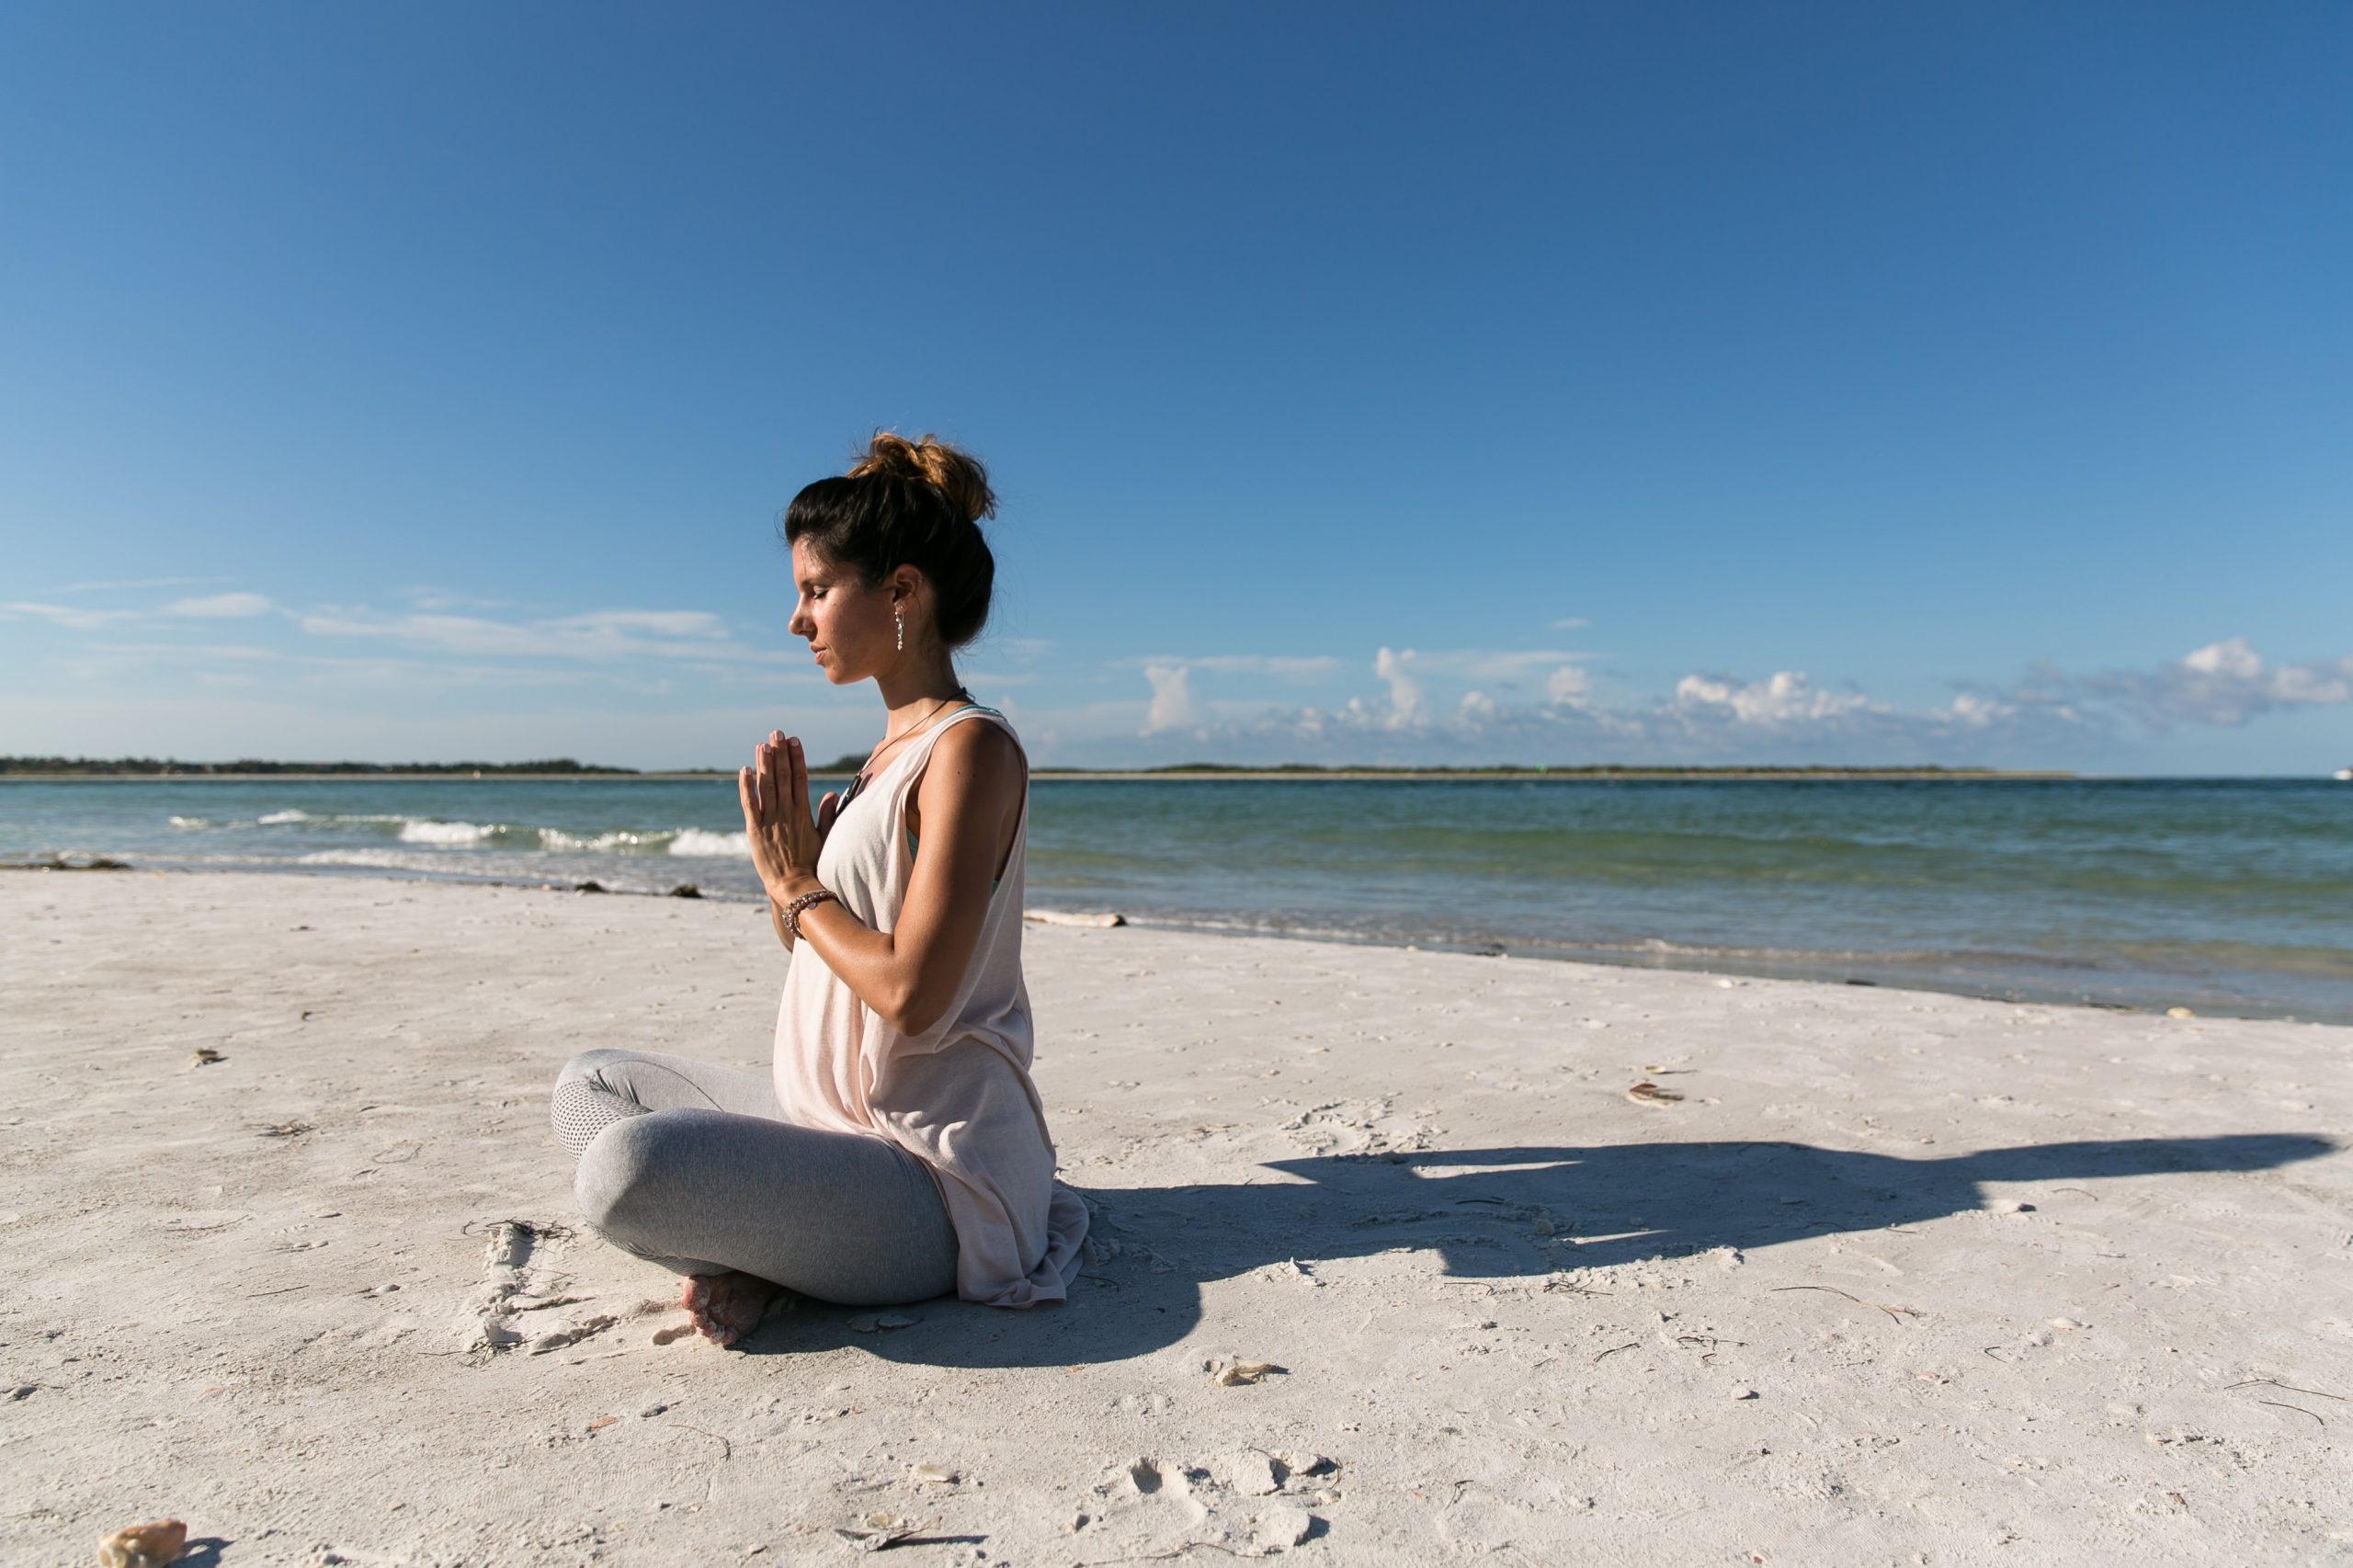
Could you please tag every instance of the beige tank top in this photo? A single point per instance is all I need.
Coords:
(957, 1097)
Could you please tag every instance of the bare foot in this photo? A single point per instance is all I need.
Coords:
(726, 1307)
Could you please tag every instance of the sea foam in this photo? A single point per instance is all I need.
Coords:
(696, 841)
(453, 834)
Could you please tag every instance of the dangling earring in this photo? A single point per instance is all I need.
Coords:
(902, 625)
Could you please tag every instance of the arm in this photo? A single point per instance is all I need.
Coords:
(968, 800)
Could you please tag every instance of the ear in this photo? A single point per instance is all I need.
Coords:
(904, 582)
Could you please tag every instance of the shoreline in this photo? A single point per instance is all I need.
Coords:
(1543, 1263)
(1893, 972)
(1183, 776)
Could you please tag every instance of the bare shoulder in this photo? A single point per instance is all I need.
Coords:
(976, 758)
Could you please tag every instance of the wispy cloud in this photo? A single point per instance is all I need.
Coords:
(81, 618)
(2227, 683)
(220, 606)
(138, 584)
(69, 616)
(598, 636)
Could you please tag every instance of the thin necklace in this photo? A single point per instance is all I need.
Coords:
(889, 740)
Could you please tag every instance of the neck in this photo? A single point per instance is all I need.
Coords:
(915, 688)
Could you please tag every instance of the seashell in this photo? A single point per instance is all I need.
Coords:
(879, 1533)
(2179, 1013)
(1648, 1093)
(1234, 1374)
(142, 1546)
(934, 1474)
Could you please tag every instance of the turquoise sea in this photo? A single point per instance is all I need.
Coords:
(2229, 896)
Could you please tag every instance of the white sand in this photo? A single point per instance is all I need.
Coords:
(1862, 1296)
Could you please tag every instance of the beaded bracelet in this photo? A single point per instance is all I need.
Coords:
(807, 900)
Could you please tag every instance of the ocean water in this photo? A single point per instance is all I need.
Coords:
(2226, 896)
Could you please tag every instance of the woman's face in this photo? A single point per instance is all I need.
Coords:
(847, 624)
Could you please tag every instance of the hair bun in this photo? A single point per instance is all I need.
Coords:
(955, 473)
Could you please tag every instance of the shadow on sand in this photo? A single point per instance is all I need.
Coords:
(1489, 1213)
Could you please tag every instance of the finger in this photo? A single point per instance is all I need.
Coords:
(826, 808)
(773, 767)
(800, 764)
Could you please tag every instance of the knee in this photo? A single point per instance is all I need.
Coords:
(616, 1183)
(586, 1067)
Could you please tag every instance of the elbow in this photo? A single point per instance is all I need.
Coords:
(912, 1012)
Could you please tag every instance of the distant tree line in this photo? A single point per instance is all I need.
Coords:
(159, 767)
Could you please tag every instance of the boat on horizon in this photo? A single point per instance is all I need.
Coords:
(2345, 776)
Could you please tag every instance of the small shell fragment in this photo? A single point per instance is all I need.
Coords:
(879, 1533)
(934, 1474)
(1233, 1374)
(205, 1057)
(2179, 1013)
(149, 1545)
(1648, 1093)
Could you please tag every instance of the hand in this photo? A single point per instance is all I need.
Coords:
(785, 841)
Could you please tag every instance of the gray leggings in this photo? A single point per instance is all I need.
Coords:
(693, 1166)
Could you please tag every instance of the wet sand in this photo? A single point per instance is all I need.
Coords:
(1899, 1277)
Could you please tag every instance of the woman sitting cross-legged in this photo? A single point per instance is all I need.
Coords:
(898, 1150)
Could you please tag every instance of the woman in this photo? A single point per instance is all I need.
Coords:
(898, 1151)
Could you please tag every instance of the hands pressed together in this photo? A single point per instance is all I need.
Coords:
(785, 838)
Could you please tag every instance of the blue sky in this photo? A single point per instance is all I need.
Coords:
(1547, 383)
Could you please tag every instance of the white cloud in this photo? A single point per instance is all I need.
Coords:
(1172, 704)
(1784, 699)
(1980, 711)
(1568, 686)
(2227, 683)
(1571, 623)
(220, 606)
(1404, 691)
(599, 635)
(68, 616)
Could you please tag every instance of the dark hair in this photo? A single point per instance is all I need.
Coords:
(908, 503)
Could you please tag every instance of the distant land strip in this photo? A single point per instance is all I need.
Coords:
(566, 768)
